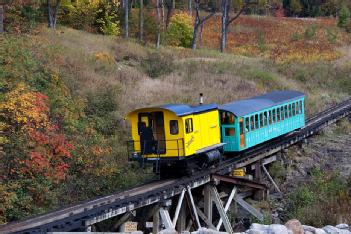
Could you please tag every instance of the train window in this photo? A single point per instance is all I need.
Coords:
(270, 117)
(256, 121)
(261, 120)
(229, 131)
(189, 125)
(286, 111)
(252, 123)
(227, 118)
(274, 116)
(300, 107)
(282, 112)
(293, 109)
(278, 114)
(289, 111)
(173, 127)
(265, 118)
(247, 124)
(297, 108)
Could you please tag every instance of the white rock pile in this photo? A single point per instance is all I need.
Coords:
(295, 227)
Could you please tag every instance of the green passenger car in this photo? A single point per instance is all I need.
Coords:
(249, 122)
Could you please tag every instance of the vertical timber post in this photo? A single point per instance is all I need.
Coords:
(181, 223)
(208, 203)
(156, 222)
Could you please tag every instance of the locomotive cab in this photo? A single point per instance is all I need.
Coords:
(173, 132)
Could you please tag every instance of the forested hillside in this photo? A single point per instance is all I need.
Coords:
(66, 88)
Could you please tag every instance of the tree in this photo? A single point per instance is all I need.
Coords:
(344, 16)
(126, 18)
(226, 20)
(141, 20)
(159, 4)
(199, 22)
(52, 12)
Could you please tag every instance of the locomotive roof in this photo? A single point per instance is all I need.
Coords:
(181, 109)
(257, 103)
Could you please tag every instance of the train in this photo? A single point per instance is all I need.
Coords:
(181, 139)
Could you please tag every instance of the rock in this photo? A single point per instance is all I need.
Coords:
(342, 226)
(331, 230)
(257, 226)
(319, 231)
(307, 228)
(277, 229)
(207, 231)
(295, 226)
(254, 231)
(168, 231)
(308, 232)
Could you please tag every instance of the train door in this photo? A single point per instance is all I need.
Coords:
(159, 131)
(228, 131)
(146, 133)
(242, 135)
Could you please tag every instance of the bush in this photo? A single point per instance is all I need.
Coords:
(180, 30)
(344, 16)
(107, 18)
(81, 16)
(158, 64)
(310, 32)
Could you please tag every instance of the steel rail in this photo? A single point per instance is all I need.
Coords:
(77, 217)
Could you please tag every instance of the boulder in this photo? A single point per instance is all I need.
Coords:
(257, 226)
(307, 228)
(319, 231)
(295, 226)
(308, 232)
(254, 231)
(331, 230)
(342, 226)
(277, 229)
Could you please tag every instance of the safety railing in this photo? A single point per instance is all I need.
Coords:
(155, 149)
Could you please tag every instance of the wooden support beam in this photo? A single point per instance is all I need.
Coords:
(179, 206)
(204, 218)
(194, 208)
(156, 221)
(166, 219)
(220, 208)
(208, 205)
(249, 208)
(227, 205)
(271, 179)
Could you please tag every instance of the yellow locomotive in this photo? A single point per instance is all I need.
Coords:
(166, 135)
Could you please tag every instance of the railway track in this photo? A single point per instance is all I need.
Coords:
(81, 215)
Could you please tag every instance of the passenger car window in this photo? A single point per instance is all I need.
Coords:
(300, 107)
(282, 113)
(227, 118)
(278, 114)
(189, 125)
(247, 124)
(252, 123)
(270, 117)
(229, 131)
(289, 108)
(173, 127)
(293, 109)
(286, 111)
(297, 108)
(265, 119)
(261, 120)
(256, 121)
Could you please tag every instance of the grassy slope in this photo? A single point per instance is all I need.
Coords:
(89, 61)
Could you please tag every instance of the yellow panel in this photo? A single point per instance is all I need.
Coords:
(205, 132)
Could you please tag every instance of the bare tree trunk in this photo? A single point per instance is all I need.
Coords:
(1, 19)
(141, 20)
(199, 22)
(52, 13)
(190, 7)
(158, 40)
(170, 8)
(126, 18)
(224, 24)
